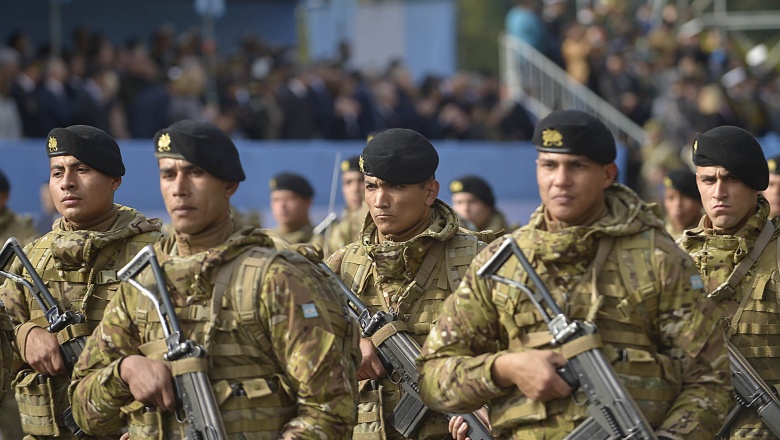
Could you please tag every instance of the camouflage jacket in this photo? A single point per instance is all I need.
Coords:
(347, 229)
(271, 336)
(303, 235)
(13, 225)
(657, 329)
(751, 309)
(385, 277)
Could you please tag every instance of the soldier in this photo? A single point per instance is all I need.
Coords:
(277, 363)
(473, 200)
(291, 197)
(772, 192)
(411, 255)
(347, 230)
(682, 201)
(12, 224)
(604, 256)
(78, 261)
(735, 248)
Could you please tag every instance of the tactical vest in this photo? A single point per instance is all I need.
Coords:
(623, 303)
(255, 396)
(43, 399)
(418, 310)
(755, 330)
(6, 353)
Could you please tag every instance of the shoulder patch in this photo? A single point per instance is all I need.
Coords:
(696, 282)
(309, 310)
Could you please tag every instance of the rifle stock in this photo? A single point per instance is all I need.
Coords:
(58, 320)
(613, 412)
(398, 354)
(198, 406)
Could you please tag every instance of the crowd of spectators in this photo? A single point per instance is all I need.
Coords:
(673, 81)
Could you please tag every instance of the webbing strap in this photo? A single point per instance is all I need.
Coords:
(73, 331)
(581, 345)
(388, 330)
(744, 266)
(189, 365)
(422, 279)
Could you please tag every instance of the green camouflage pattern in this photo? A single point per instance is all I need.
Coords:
(498, 223)
(753, 330)
(283, 339)
(661, 335)
(20, 227)
(303, 235)
(347, 229)
(6, 352)
(393, 267)
(65, 259)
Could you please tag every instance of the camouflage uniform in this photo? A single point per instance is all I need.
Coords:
(657, 328)
(752, 331)
(79, 267)
(303, 235)
(497, 222)
(278, 356)
(387, 276)
(347, 229)
(13, 225)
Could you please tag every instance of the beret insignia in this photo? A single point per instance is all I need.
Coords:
(772, 164)
(52, 144)
(695, 145)
(344, 165)
(668, 182)
(552, 138)
(272, 184)
(456, 186)
(361, 165)
(164, 144)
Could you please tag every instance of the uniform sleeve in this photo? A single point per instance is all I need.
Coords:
(314, 358)
(97, 392)
(688, 325)
(14, 296)
(458, 355)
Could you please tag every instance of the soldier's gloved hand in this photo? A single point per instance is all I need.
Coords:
(43, 352)
(459, 428)
(370, 366)
(150, 381)
(533, 372)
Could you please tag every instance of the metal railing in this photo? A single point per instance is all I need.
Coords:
(542, 86)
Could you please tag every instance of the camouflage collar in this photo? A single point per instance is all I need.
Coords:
(6, 217)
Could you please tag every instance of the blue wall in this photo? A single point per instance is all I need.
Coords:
(508, 167)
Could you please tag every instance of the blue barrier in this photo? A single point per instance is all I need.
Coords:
(508, 166)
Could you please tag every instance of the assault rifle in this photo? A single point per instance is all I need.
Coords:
(398, 353)
(613, 413)
(750, 391)
(61, 323)
(197, 404)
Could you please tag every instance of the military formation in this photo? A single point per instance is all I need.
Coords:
(264, 321)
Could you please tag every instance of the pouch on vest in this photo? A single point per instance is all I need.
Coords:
(34, 393)
(143, 423)
(371, 423)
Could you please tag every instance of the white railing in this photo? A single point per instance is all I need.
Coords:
(541, 85)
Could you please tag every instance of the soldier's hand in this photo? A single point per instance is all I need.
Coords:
(150, 381)
(370, 367)
(43, 352)
(459, 428)
(533, 372)
(125, 436)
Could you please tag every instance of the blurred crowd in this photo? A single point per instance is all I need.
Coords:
(672, 80)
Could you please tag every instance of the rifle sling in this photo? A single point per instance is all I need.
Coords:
(189, 365)
(581, 345)
(744, 266)
(388, 330)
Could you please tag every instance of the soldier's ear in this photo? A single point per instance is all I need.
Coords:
(115, 182)
(230, 188)
(610, 174)
(431, 191)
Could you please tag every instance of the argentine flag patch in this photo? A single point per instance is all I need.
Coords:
(696, 282)
(310, 310)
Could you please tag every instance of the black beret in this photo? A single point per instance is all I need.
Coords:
(5, 186)
(202, 144)
(351, 164)
(399, 155)
(293, 182)
(474, 185)
(92, 146)
(773, 163)
(683, 180)
(575, 132)
(735, 150)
